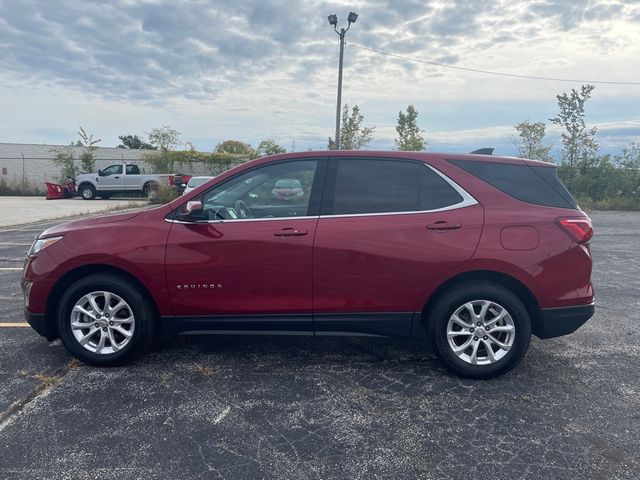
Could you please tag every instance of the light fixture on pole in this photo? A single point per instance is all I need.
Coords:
(333, 21)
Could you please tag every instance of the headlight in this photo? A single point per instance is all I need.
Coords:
(42, 243)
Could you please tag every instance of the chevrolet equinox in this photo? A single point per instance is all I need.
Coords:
(473, 253)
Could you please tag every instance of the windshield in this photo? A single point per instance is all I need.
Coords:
(197, 181)
(288, 183)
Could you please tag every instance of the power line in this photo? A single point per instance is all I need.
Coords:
(488, 72)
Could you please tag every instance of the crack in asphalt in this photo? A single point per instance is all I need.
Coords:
(46, 383)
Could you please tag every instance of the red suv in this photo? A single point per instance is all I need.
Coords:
(474, 253)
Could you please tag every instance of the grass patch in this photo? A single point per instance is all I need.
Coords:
(613, 203)
(164, 194)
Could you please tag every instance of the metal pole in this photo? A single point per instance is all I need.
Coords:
(337, 145)
(23, 179)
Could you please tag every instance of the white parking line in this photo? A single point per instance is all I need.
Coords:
(13, 324)
(29, 227)
(10, 269)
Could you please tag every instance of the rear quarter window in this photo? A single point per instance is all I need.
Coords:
(535, 185)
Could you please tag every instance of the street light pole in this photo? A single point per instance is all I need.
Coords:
(333, 20)
(339, 103)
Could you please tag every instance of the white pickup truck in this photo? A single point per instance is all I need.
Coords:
(117, 178)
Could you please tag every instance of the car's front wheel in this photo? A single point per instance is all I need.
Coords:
(480, 330)
(105, 320)
(87, 192)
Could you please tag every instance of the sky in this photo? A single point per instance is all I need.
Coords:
(254, 69)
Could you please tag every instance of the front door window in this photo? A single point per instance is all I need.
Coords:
(278, 190)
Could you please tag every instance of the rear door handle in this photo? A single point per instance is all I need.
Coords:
(290, 232)
(442, 226)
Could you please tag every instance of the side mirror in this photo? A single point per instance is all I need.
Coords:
(100, 173)
(192, 211)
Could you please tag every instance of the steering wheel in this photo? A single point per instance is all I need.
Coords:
(242, 209)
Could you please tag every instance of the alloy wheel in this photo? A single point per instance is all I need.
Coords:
(480, 332)
(102, 322)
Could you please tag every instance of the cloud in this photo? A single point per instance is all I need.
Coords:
(244, 67)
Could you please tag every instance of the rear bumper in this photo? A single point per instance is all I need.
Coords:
(39, 324)
(555, 322)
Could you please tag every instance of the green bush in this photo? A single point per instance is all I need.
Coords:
(605, 183)
(16, 188)
(173, 161)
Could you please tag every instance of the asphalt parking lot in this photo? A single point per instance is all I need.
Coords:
(300, 407)
(22, 210)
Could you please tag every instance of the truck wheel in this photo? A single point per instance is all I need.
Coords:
(481, 330)
(105, 320)
(150, 190)
(87, 192)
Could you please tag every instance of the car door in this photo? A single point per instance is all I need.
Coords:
(111, 178)
(132, 178)
(246, 263)
(389, 229)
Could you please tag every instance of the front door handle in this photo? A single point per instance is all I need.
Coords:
(116, 177)
(442, 226)
(290, 232)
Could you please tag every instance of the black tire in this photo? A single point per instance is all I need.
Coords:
(87, 192)
(451, 300)
(145, 324)
(150, 190)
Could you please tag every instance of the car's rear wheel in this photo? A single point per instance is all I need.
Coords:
(105, 320)
(87, 192)
(150, 190)
(480, 330)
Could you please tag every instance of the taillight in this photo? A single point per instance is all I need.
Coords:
(579, 229)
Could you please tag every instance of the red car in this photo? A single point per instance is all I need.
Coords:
(287, 189)
(474, 253)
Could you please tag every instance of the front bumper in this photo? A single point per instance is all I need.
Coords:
(39, 324)
(555, 322)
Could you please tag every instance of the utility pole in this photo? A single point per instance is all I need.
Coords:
(333, 20)
(23, 178)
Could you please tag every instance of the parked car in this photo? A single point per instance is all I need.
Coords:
(287, 189)
(119, 178)
(472, 253)
(195, 182)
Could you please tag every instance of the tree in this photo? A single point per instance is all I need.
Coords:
(236, 148)
(134, 142)
(269, 147)
(88, 156)
(165, 139)
(353, 136)
(630, 157)
(410, 138)
(64, 160)
(580, 146)
(529, 141)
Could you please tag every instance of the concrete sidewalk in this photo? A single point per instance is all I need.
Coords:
(22, 210)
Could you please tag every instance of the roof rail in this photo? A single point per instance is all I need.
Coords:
(483, 151)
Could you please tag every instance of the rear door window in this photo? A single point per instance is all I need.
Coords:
(374, 186)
